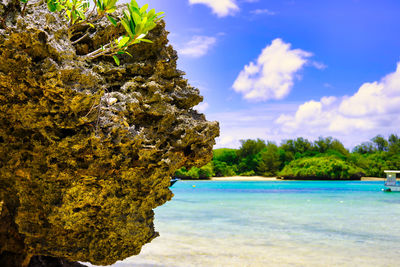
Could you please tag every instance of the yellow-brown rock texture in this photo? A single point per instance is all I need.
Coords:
(87, 148)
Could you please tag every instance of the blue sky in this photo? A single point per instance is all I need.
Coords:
(282, 69)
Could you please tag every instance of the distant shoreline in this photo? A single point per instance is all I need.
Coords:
(372, 179)
(261, 178)
(245, 178)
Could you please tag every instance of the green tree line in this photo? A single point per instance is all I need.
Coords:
(325, 158)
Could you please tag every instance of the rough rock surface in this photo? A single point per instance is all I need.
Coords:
(87, 148)
(46, 261)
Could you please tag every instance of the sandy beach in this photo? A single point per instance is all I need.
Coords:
(372, 179)
(260, 178)
(244, 178)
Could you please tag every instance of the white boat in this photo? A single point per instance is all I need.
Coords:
(391, 183)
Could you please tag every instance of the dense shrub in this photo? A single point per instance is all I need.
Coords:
(204, 172)
(322, 167)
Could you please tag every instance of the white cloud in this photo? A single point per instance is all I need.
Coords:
(221, 8)
(377, 98)
(203, 106)
(272, 75)
(198, 46)
(373, 109)
(319, 65)
(262, 12)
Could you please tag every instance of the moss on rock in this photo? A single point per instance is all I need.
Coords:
(87, 149)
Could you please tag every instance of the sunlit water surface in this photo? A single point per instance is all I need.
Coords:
(305, 223)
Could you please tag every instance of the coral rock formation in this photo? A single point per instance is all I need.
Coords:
(87, 148)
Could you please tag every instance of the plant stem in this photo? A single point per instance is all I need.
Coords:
(107, 50)
(81, 38)
(99, 52)
(83, 22)
(23, 9)
(72, 12)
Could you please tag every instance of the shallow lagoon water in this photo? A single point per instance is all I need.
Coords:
(283, 223)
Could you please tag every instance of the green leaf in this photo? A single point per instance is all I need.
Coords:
(134, 4)
(123, 41)
(112, 20)
(151, 13)
(126, 15)
(144, 21)
(126, 52)
(146, 40)
(111, 4)
(139, 29)
(127, 28)
(74, 16)
(100, 5)
(85, 6)
(116, 59)
(130, 9)
(80, 14)
(60, 8)
(150, 26)
(144, 8)
(91, 25)
(68, 4)
(51, 6)
(132, 25)
(112, 10)
(136, 18)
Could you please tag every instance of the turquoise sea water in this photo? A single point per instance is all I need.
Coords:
(287, 223)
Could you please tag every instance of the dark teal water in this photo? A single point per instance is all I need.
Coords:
(287, 223)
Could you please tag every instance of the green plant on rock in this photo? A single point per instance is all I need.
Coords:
(136, 21)
(74, 10)
(106, 6)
